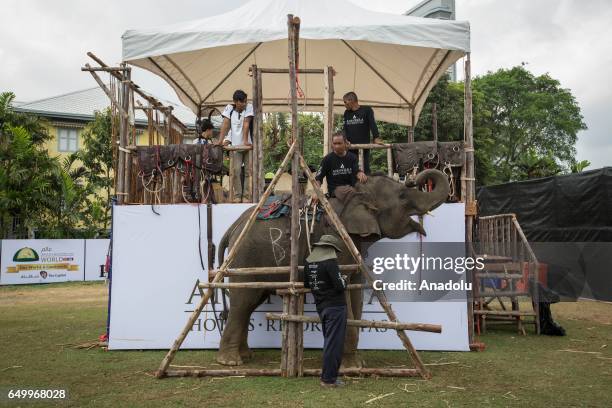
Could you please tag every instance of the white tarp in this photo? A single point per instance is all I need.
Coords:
(156, 264)
(410, 53)
(95, 258)
(41, 261)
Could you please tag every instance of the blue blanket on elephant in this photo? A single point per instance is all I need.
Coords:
(279, 206)
(274, 207)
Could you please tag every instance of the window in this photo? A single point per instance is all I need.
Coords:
(67, 140)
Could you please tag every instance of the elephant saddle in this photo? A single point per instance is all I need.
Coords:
(451, 153)
(407, 156)
(206, 157)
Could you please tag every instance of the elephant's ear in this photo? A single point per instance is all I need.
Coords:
(359, 215)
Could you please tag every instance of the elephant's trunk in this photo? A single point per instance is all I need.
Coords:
(429, 200)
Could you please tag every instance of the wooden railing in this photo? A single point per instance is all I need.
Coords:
(374, 146)
(502, 236)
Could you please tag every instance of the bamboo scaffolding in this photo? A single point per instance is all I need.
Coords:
(221, 272)
(364, 269)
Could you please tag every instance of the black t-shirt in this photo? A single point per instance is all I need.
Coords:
(324, 280)
(358, 124)
(339, 171)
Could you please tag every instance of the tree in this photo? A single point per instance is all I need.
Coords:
(531, 119)
(26, 170)
(96, 157)
(577, 167)
(525, 126)
(277, 133)
(68, 208)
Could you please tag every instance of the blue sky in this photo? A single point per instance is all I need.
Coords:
(43, 45)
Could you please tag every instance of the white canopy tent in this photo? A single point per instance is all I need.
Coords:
(390, 61)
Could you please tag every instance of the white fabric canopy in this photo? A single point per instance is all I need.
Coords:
(371, 52)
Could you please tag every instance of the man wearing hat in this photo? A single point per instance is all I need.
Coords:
(322, 276)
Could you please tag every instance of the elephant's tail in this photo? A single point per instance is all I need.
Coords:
(234, 229)
(223, 245)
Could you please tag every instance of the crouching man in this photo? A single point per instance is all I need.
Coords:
(322, 276)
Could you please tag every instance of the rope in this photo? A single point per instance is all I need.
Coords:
(307, 230)
(448, 170)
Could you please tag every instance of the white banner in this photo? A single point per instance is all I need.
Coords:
(156, 265)
(95, 258)
(41, 261)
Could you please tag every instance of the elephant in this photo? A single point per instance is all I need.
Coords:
(380, 208)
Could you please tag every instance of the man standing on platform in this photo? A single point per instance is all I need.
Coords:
(236, 130)
(359, 122)
(322, 276)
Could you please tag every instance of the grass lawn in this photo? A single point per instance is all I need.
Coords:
(38, 325)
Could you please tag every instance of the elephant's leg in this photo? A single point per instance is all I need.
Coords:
(245, 352)
(350, 358)
(234, 340)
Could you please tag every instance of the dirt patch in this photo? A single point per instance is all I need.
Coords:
(50, 294)
(597, 312)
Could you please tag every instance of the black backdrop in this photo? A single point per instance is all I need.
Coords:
(568, 222)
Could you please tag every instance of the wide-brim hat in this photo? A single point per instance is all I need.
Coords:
(329, 240)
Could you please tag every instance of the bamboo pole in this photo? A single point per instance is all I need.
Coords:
(371, 146)
(276, 270)
(432, 328)
(294, 330)
(157, 104)
(364, 268)
(220, 274)
(312, 372)
(470, 183)
(232, 174)
(102, 85)
(352, 286)
(259, 177)
(389, 163)
(328, 108)
(361, 160)
(123, 131)
(250, 285)
(255, 132)
(434, 121)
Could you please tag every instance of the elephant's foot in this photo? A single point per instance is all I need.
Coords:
(246, 353)
(352, 360)
(229, 358)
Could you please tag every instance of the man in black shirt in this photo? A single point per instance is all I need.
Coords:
(358, 123)
(322, 276)
(340, 167)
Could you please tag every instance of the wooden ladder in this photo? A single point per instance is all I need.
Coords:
(509, 275)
